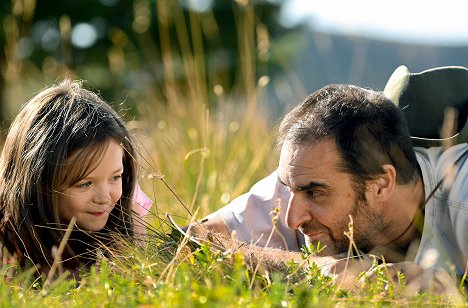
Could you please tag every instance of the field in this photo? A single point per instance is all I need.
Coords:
(202, 142)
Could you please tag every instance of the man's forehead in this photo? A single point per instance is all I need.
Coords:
(297, 159)
(294, 154)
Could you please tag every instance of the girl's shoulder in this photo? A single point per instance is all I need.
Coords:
(141, 203)
(7, 256)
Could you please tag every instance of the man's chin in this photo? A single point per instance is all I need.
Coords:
(327, 251)
(323, 248)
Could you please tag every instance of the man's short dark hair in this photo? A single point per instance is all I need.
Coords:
(369, 131)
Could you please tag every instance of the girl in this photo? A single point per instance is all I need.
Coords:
(68, 154)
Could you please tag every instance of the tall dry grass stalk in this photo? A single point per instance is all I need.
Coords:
(209, 145)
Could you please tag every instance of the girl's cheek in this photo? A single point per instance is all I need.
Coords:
(117, 192)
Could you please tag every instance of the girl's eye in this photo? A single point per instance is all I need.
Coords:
(117, 177)
(83, 185)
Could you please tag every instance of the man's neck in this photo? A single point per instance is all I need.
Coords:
(407, 215)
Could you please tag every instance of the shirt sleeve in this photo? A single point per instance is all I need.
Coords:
(258, 216)
(443, 241)
(141, 203)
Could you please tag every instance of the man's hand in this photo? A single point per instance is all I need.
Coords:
(344, 270)
(214, 225)
(417, 278)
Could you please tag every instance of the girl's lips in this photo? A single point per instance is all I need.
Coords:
(96, 213)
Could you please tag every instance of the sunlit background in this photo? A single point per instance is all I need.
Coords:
(204, 81)
(308, 43)
(416, 21)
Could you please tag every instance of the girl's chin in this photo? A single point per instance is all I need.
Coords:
(92, 227)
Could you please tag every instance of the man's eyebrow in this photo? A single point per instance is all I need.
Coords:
(310, 186)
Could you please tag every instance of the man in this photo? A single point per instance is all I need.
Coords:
(347, 156)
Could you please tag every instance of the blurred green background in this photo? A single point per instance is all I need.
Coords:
(124, 48)
(201, 83)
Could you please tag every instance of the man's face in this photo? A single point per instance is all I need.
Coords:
(323, 197)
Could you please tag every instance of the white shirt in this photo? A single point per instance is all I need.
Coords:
(444, 241)
(445, 233)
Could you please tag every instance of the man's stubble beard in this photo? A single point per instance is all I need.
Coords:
(368, 226)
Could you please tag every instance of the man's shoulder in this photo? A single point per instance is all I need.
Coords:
(267, 182)
(445, 177)
(447, 167)
(438, 158)
(261, 194)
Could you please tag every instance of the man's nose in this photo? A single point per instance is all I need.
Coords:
(297, 212)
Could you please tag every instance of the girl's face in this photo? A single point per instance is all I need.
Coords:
(92, 198)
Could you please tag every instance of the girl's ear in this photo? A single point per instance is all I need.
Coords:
(385, 183)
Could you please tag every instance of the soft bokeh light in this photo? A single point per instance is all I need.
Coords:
(109, 2)
(46, 34)
(84, 35)
(25, 47)
(198, 5)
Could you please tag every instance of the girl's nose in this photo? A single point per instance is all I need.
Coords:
(297, 212)
(102, 194)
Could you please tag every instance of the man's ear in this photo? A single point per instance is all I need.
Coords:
(384, 184)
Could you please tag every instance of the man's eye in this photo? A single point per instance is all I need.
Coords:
(313, 193)
(83, 185)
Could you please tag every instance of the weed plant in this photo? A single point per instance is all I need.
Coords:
(196, 157)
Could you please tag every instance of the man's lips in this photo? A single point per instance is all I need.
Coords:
(313, 230)
(312, 235)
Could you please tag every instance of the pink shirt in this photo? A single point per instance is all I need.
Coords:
(141, 203)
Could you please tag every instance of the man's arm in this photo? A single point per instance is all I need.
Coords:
(344, 270)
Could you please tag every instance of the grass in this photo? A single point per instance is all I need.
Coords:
(200, 278)
(195, 158)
